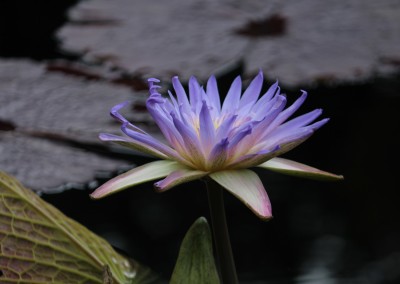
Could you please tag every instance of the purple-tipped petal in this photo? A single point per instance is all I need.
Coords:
(293, 168)
(295, 106)
(174, 102)
(213, 94)
(231, 102)
(180, 93)
(260, 130)
(300, 121)
(225, 127)
(291, 142)
(284, 115)
(207, 131)
(272, 91)
(218, 155)
(153, 80)
(165, 124)
(192, 145)
(194, 93)
(239, 136)
(178, 177)
(136, 145)
(251, 94)
(252, 160)
(114, 112)
(248, 188)
(263, 104)
(150, 141)
(147, 172)
(153, 87)
(318, 124)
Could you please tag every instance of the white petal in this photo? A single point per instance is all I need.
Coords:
(177, 177)
(147, 172)
(293, 168)
(247, 186)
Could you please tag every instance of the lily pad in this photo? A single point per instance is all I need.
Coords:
(162, 38)
(39, 244)
(300, 43)
(51, 122)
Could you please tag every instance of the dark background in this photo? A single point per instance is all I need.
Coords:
(344, 232)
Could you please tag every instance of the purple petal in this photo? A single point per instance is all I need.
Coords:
(231, 102)
(165, 123)
(251, 94)
(136, 145)
(192, 144)
(207, 131)
(264, 104)
(153, 80)
(298, 123)
(152, 86)
(194, 93)
(284, 115)
(114, 111)
(261, 129)
(218, 155)
(274, 89)
(225, 127)
(174, 102)
(290, 142)
(115, 114)
(180, 93)
(318, 124)
(284, 135)
(252, 160)
(302, 120)
(150, 141)
(213, 94)
(239, 136)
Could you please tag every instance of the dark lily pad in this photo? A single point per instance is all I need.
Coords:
(46, 117)
(156, 38)
(299, 43)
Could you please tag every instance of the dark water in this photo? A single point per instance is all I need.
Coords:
(345, 232)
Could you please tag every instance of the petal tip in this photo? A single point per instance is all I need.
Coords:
(266, 218)
(159, 187)
(95, 195)
(153, 80)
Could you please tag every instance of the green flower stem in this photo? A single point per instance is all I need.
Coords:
(221, 236)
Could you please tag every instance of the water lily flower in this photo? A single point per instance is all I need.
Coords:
(205, 138)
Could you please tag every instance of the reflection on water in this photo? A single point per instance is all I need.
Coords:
(320, 262)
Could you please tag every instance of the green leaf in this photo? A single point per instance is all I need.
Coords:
(195, 262)
(39, 244)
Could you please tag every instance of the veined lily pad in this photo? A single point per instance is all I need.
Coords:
(39, 244)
